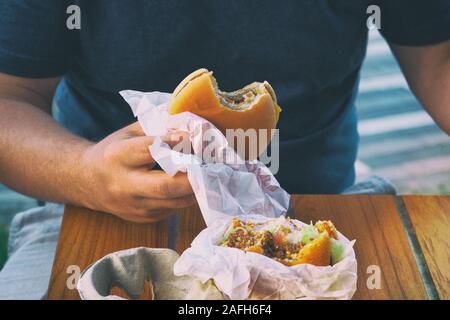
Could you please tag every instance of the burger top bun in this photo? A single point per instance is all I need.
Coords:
(252, 107)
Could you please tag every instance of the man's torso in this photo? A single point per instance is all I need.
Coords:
(310, 51)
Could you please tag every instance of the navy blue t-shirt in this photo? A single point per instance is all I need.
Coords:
(311, 52)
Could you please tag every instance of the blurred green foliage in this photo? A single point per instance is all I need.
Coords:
(444, 189)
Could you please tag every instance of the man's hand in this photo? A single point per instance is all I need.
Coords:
(121, 181)
(40, 158)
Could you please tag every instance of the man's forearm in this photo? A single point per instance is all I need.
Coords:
(427, 70)
(38, 157)
(434, 94)
(442, 98)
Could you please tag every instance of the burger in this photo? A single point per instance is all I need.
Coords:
(287, 241)
(252, 107)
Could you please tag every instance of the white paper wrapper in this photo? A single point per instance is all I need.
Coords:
(226, 187)
(229, 187)
(241, 275)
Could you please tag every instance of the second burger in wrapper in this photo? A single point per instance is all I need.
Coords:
(255, 257)
(286, 241)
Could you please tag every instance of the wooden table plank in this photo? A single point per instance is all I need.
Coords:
(430, 218)
(192, 222)
(87, 236)
(380, 240)
(373, 220)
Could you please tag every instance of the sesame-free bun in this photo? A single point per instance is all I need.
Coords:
(252, 107)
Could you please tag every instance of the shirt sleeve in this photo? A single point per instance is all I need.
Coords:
(34, 39)
(415, 22)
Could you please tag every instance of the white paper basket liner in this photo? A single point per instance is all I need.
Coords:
(235, 272)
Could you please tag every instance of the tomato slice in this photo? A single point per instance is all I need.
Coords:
(279, 237)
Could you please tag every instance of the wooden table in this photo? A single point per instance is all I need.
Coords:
(407, 238)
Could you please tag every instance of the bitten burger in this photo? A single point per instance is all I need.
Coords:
(252, 107)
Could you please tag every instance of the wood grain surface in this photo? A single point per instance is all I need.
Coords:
(373, 220)
(190, 224)
(87, 236)
(380, 241)
(430, 218)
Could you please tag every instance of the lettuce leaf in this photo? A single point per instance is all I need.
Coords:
(337, 251)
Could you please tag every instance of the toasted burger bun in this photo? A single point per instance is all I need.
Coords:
(317, 252)
(252, 107)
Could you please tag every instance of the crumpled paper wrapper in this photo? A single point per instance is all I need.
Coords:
(228, 186)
